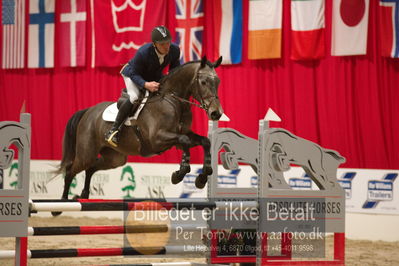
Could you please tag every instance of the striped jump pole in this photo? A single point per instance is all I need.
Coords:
(101, 252)
(136, 206)
(100, 200)
(163, 264)
(106, 229)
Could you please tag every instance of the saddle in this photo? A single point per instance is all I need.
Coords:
(111, 111)
(125, 97)
(134, 112)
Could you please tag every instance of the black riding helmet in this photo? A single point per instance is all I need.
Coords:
(160, 34)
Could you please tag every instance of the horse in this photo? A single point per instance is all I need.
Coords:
(164, 122)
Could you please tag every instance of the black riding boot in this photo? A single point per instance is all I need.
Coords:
(112, 137)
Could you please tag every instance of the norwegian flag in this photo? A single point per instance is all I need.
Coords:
(189, 28)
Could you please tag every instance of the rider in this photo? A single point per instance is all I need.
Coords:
(143, 72)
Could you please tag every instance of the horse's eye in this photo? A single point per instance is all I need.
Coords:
(203, 82)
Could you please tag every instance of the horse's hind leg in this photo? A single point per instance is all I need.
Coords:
(88, 175)
(67, 185)
(71, 171)
(109, 159)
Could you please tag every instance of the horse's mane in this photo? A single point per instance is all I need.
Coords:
(175, 70)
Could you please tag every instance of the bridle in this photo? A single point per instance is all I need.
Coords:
(201, 104)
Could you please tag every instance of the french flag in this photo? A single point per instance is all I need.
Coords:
(389, 28)
(228, 30)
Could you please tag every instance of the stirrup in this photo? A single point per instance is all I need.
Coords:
(110, 139)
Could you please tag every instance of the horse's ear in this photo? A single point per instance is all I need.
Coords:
(203, 61)
(218, 62)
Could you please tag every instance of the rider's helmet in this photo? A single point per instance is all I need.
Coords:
(160, 34)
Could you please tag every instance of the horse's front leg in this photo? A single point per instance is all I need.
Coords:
(186, 142)
(178, 176)
(168, 139)
(202, 178)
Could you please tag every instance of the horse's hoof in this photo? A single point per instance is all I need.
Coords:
(176, 177)
(55, 214)
(200, 181)
(76, 197)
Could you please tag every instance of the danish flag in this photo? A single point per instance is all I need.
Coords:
(189, 28)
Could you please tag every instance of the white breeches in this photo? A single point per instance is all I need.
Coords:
(131, 88)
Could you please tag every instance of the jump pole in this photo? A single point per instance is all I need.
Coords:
(101, 252)
(163, 264)
(98, 230)
(134, 206)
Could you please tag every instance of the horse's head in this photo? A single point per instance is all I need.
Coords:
(205, 89)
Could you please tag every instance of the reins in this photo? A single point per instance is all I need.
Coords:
(202, 105)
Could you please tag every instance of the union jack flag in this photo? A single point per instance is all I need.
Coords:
(189, 28)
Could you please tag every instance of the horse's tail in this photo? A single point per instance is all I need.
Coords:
(69, 141)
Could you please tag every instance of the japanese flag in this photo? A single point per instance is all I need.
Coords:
(349, 27)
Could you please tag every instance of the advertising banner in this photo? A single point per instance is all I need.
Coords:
(367, 191)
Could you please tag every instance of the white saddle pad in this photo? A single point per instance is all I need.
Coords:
(110, 113)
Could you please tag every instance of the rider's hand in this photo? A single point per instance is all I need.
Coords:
(151, 86)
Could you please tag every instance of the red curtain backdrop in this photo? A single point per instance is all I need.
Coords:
(349, 104)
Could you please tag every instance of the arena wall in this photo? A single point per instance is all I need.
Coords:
(372, 196)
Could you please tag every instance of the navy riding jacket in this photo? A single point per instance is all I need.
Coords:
(144, 66)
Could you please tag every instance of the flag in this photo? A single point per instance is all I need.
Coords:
(307, 29)
(13, 25)
(228, 30)
(121, 27)
(189, 28)
(349, 27)
(71, 33)
(41, 33)
(264, 29)
(389, 27)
